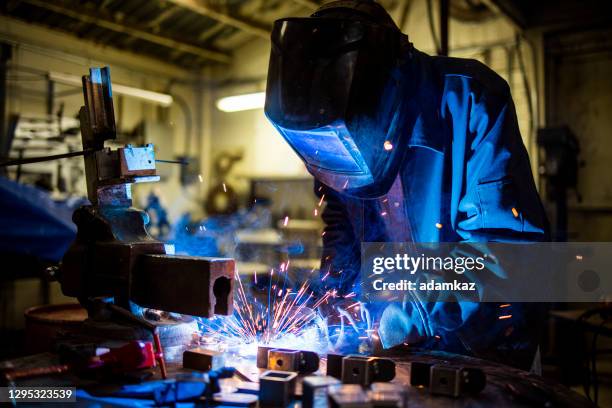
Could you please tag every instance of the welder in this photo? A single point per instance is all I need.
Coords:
(406, 147)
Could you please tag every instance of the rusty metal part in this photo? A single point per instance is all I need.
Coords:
(366, 370)
(262, 356)
(181, 284)
(202, 359)
(293, 360)
(276, 388)
(284, 360)
(16, 374)
(106, 167)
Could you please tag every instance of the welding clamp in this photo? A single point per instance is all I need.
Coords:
(363, 370)
(298, 361)
(456, 381)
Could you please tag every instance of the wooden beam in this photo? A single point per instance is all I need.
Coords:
(309, 4)
(161, 17)
(89, 18)
(209, 32)
(206, 11)
(510, 11)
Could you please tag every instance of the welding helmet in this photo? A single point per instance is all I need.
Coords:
(337, 92)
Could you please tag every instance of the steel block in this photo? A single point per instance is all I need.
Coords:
(366, 370)
(276, 388)
(334, 365)
(202, 359)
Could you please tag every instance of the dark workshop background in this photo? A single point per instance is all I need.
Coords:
(555, 54)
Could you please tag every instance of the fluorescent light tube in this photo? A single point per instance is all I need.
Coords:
(244, 102)
(155, 97)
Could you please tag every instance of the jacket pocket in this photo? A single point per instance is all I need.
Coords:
(499, 204)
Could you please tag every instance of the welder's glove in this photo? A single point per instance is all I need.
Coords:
(401, 324)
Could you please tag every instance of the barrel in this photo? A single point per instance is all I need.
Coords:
(44, 323)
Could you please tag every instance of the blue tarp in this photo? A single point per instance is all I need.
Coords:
(31, 223)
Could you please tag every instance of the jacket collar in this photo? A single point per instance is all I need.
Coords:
(428, 130)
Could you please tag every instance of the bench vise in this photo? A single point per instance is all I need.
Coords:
(113, 255)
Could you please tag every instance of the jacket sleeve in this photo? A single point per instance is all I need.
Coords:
(496, 195)
(341, 256)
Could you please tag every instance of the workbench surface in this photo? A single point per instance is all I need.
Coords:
(505, 387)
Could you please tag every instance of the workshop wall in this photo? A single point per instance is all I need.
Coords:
(265, 152)
(491, 41)
(579, 96)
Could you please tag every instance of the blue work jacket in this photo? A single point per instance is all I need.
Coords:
(465, 177)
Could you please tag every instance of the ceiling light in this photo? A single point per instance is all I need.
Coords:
(155, 97)
(244, 102)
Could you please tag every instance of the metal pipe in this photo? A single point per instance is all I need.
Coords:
(50, 98)
(5, 55)
(29, 160)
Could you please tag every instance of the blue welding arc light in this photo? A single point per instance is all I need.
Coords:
(101, 76)
(328, 147)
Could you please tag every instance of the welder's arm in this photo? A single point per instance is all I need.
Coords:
(500, 201)
(341, 256)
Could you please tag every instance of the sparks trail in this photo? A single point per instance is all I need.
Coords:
(287, 312)
(286, 317)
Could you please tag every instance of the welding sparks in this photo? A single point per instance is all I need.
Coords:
(321, 200)
(287, 314)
